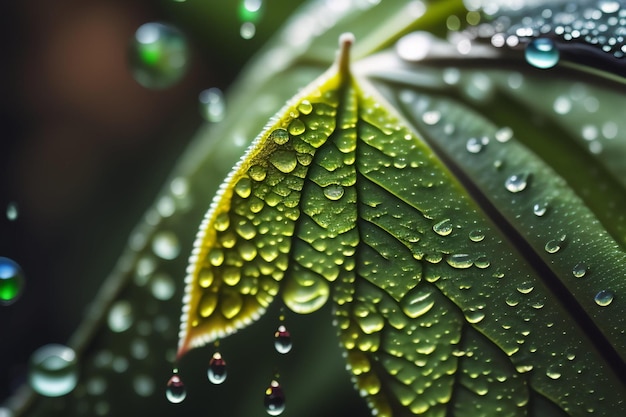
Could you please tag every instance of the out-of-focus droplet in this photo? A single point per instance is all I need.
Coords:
(247, 30)
(542, 53)
(53, 370)
(282, 340)
(415, 46)
(217, 369)
(165, 245)
(120, 316)
(159, 55)
(274, 399)
(175, 391)
(251, 10)
(212, 105)
(12, 211)
(609, 6)
(11, 281)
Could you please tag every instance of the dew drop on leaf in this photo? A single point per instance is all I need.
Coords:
(212, 106)
(53, 370)
(274, 399)
(282, 340)
(443, 228)
(579, 270)
(517, 182)
(476, 235)
(542, 53)
(159, 55)
(217, 369)
(175, 391)
(333, 192)
(604, 298)
(539, 209)
(11, 281)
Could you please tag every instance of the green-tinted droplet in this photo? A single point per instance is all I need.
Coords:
(53, 370)
(165, 245)
(284, 161)
(279, 136)
(305, 107)
(542, 53)
(247, 30)
(12, 211)
(250, 10)
(333, 192)
(460, 261)
(474, 317)
(159, 55)
(243, 188)
(579, 270)
(604, 298)
(257, 172)
(517, 182)
(476, 235)
(443, 228)
(212, 106)
(555, 245)
(11, 281)
(296, 127)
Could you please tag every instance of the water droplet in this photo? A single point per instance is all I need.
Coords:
(250, 10)
(217, 369)
(11, 281)
(120, 316)
(539, 209)
(274, 399)
(159, 55)
(175, 390)
(579, 270)
(247, 30)
(284, 161)
(12, 211)
(460, 261)
(476, 235)
(517, 182)
(333, 192)
(474, 145)
(554, 245)
(553, 372)
(443, 228)
(282, 340)
(165, 245)
(257, 172)
(212, 106)
(542, 53)
(562, 105)
(53, 370)
(504, 134)
(609, 6)
(414, 46)
(305, 107)
(474, 317)
(296, 127)
(162, 286)
(279, 136)
(604, 298)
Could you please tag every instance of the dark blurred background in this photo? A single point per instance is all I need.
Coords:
(85, 148)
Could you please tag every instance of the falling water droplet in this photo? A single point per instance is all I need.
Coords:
(579, 270)
(175, 390)
(274, 399)
(212, 105)
(53, 370)
(12, 211)
(443, 228)
(217, 369)
(542, 53)
(517, 182)
(11, 281)
(604, 298)
(539, 209)
(282, 340)
(159, 55)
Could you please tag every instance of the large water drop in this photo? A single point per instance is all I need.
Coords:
(274, 399)
(604, 298)
(53, 370)
(11, 281)
(282, 340)
(159, 55)
(175, 391)
(542, 53)
(443, 228)
(217, 369)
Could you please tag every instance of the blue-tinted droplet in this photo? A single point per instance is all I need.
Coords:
(175, 390)
(282, 340)
(53, 370)
(542, 53)
(11, 281)
(217, 369)
(274, 399)
(159, 55)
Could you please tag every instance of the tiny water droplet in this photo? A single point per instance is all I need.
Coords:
(517, 182)
(274, 399)
(539, 209)
(12, 211)
(159, 55)
(175, 390)
(604, 298)
(443, 228)
(11, 281)
(53, 370)
(334, 192)
(579, 270)
(542, 53)
(282, 340)
(212, 106)
(217, 369)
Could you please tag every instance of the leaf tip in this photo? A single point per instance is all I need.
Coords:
(343, 58)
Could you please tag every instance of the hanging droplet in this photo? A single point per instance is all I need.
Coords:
(604, 298)
(282, 340)
(274, 399)
(443, 228)
(12, 211)
(579, 270)
(539, 209)
(542, 53)
(53, 370)
(517, 182)
(212, 105)
(11, 281)
(175, 390)
(217, 369)
(159, 55)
